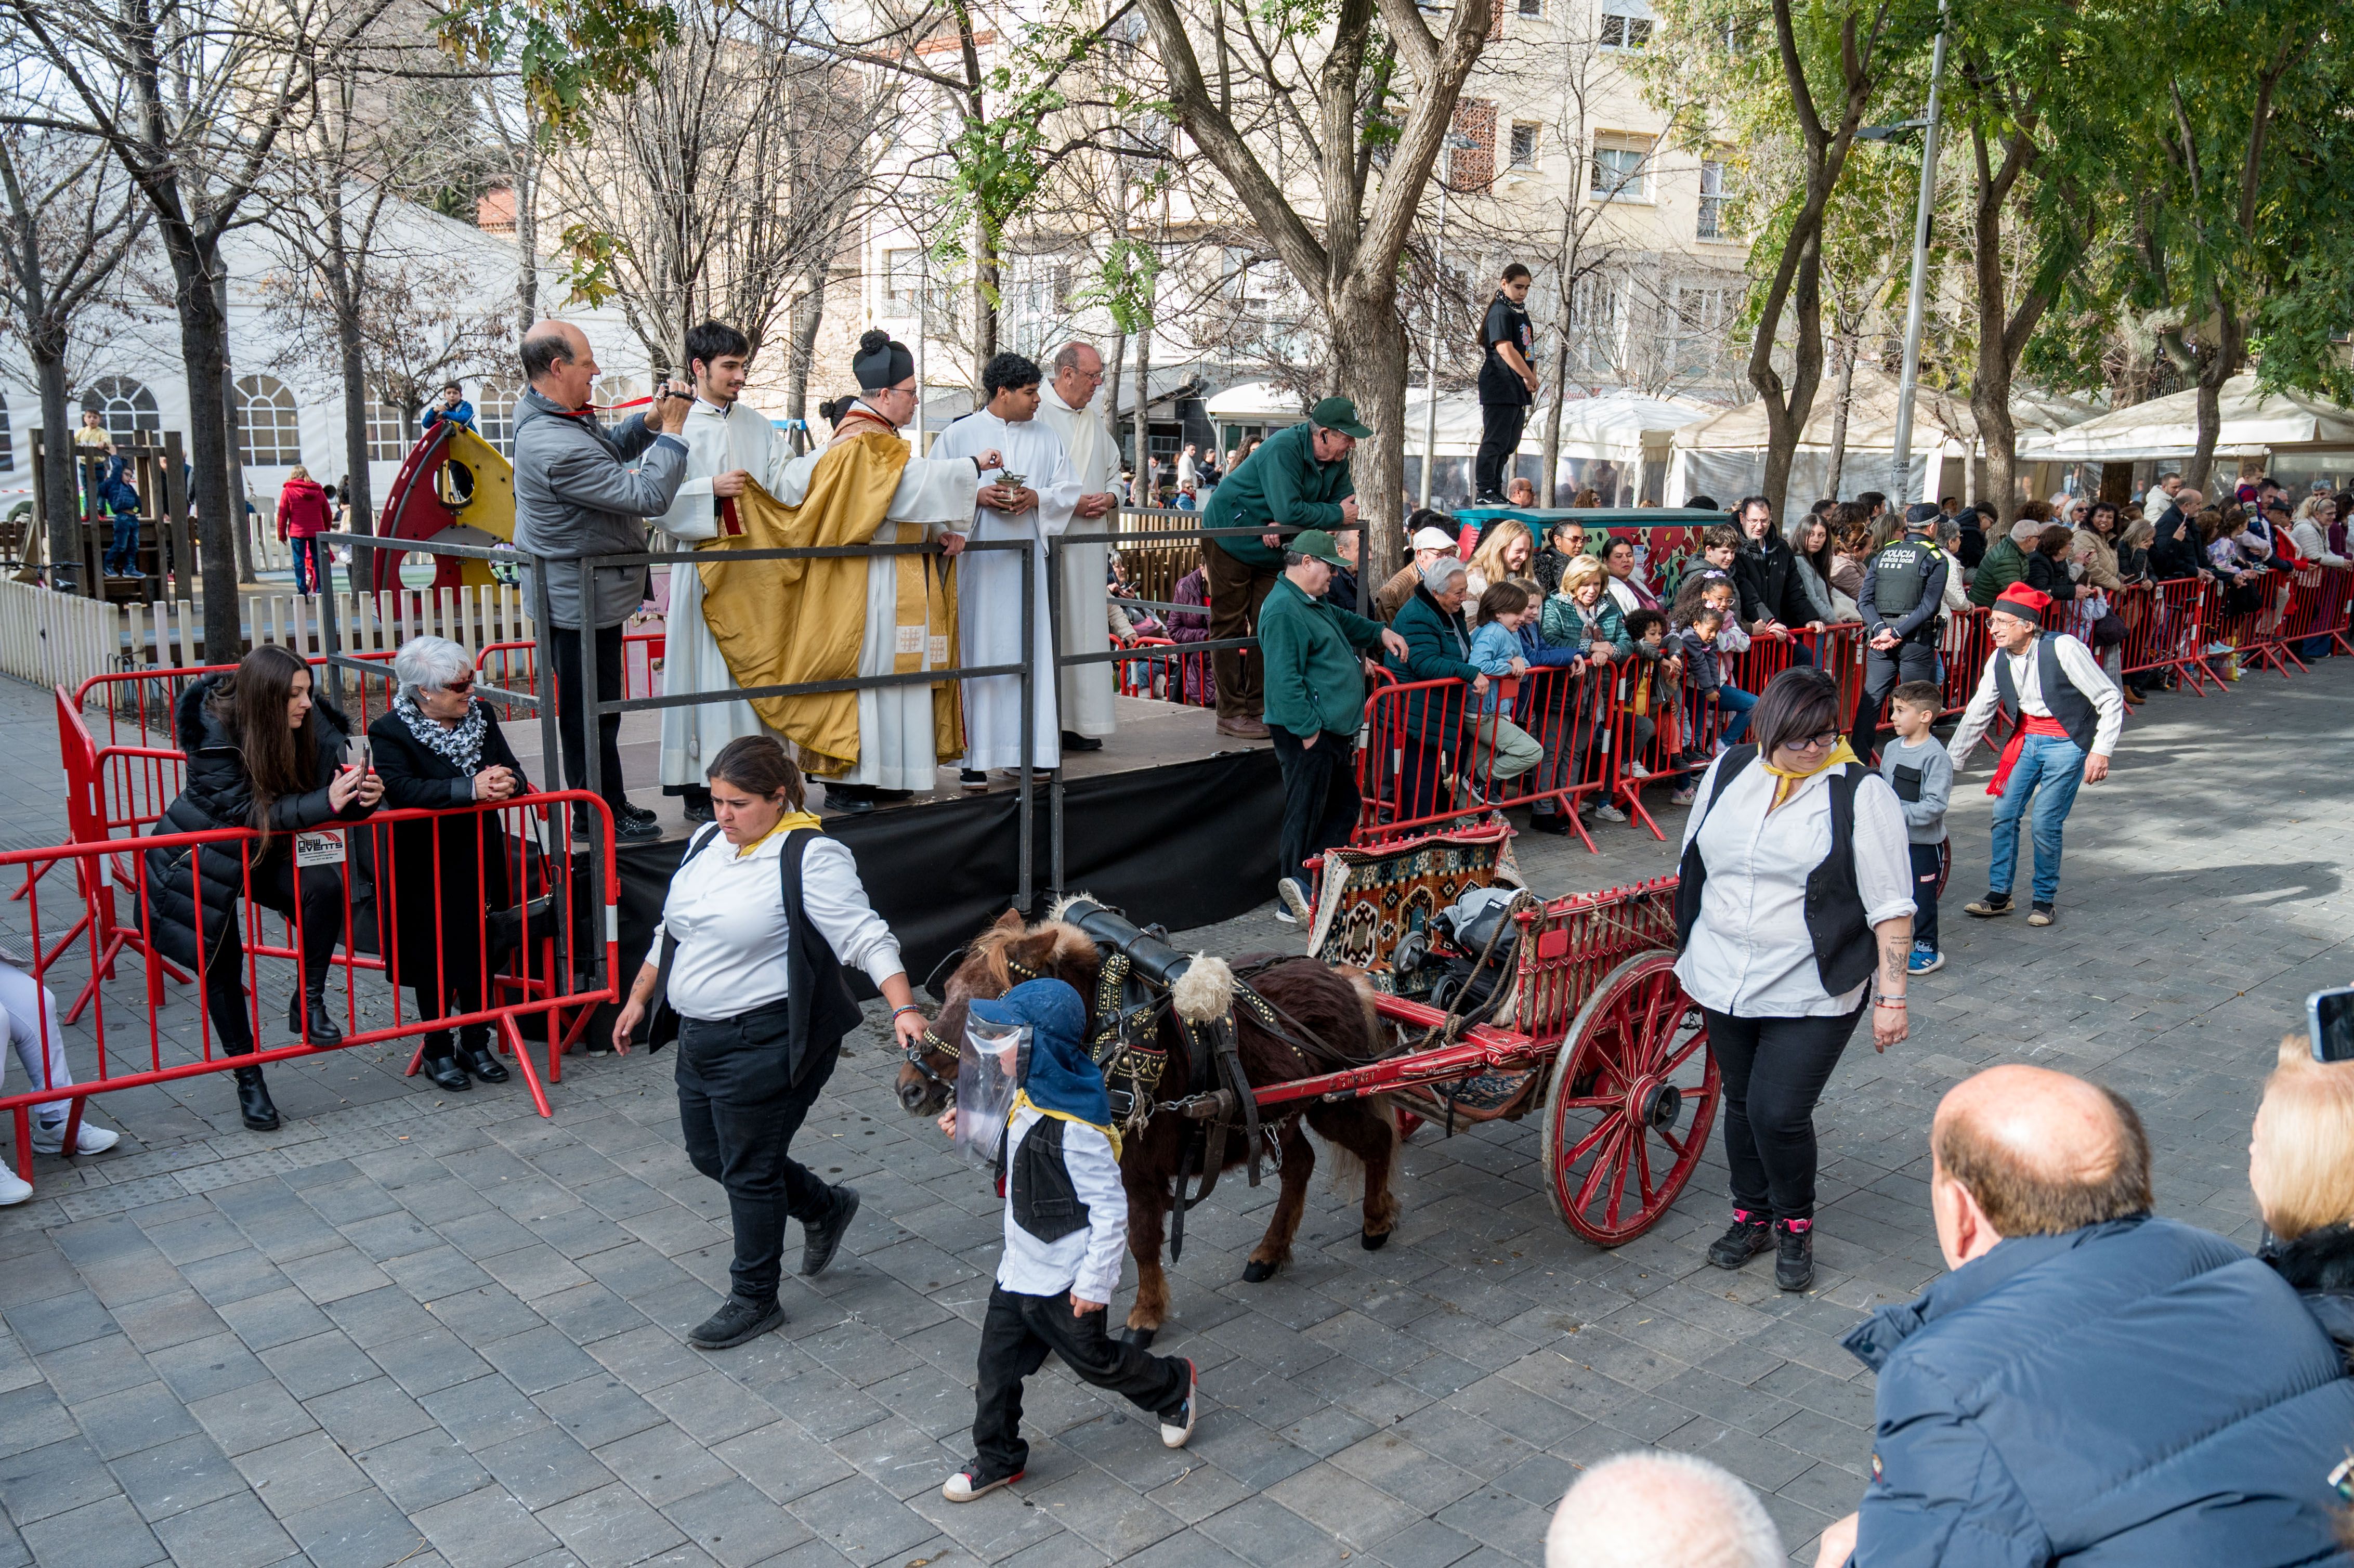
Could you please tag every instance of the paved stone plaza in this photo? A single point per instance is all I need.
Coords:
(412, 1329)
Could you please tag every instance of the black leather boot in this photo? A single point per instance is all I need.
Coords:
(474, 1056)
(253, 1101)
(439, 1066)
(323, 1030)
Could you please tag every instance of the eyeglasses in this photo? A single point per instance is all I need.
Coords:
(459, 687)
(1822, 742)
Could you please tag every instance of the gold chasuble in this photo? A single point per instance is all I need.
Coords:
(790, 622)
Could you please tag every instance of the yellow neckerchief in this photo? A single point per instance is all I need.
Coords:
(1791, 778)
(1022, 1098)
(785, 824)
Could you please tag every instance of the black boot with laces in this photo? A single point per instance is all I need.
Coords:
(1746, 1237)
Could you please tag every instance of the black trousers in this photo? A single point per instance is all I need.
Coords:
(321, 902)
(1500, 425)
(1015, 1336)
(571, 703)
(1883, 672)
(1928, 871)
(1320, 796)
(1773, 1070)
(739, 1109)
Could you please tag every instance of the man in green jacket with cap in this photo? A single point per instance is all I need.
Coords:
(1296, 478)
(1314, 653)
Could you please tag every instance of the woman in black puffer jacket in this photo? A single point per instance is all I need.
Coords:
(261, 755)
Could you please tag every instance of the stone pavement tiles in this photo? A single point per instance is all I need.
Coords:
(437, 1330)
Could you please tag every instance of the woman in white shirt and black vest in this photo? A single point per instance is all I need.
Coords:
(1796, 886)
(763, 916)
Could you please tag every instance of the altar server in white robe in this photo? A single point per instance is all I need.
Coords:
(726, 439)
(1068, 410)
(989, 583)
(897, 751)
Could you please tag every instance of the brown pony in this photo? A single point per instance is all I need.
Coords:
(1335, 1007)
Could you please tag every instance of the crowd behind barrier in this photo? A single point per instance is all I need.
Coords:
(553, 955)
(1609, 734)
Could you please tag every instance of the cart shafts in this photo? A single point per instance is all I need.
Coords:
(1481, 1048)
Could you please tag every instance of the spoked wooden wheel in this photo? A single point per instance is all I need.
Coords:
(1634, 1095)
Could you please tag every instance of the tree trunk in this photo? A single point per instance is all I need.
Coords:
(1147, 473)
(527, 247)
(1844, 352)
(355, 491)
(808, 316)
(204, 355)
(60, 475)
(2209, 401)
(1560, 379)
(233, 446)
(1369, 341)
(984, 299)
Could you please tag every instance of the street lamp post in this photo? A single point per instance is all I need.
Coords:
(1901, 461)
(1437, 260)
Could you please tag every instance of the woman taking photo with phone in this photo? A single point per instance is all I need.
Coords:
(262, 754)
(1797, 885)
(764, 915)
(2301, 1166)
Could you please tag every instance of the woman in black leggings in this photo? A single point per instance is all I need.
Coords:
(261, 754)
(1796, 887)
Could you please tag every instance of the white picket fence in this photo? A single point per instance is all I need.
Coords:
(170, 635)
(56, 639)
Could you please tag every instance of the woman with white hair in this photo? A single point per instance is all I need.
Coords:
(1653, 1509)
(439, 749)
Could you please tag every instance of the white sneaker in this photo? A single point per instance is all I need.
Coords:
(1610, 813)
(50, 1138)
(1637, 770)
(1294, 897)
(1178, 1432)
(13, 1189)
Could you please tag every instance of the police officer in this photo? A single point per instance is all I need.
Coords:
(1903, 588)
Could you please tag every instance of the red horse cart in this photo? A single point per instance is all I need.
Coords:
(1586, 1023)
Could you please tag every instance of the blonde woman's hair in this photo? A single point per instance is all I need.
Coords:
(1488, 560)
(2307, 1116)
(1581, 570)
(298, 471)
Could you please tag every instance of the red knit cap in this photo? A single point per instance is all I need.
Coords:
(2024, 602)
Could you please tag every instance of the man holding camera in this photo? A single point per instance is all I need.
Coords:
(577, 498)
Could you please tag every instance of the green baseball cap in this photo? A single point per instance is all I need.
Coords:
(1338, 414)
(1316, 546)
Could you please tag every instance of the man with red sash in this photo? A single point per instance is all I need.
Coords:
(2067, 716)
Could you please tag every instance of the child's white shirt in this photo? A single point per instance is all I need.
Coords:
(1085, 1263)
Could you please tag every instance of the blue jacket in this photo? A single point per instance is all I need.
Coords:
(1439, 647)
(463, 414)
(2138, 1392)
(114, 486)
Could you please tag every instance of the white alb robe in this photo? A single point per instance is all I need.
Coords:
(988, 592)
(1086, 690)
(896, 748)
(719, 440)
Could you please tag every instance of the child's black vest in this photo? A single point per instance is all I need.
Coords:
(1844, 950)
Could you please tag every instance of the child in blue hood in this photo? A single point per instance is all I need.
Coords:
(1066, 1227)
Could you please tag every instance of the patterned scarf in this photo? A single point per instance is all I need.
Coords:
(461, 747)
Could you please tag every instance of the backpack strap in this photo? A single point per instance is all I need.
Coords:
(1735, 760)
(661, 1024)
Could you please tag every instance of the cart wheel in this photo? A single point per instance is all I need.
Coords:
(1633, 1097)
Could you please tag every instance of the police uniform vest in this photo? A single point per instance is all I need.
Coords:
(1900, 576)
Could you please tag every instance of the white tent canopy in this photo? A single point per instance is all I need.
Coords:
(1725, 457)
(2253, 424)
(1612, 424)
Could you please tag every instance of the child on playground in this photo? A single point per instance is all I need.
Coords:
(1918, 769)
(1066, 1230)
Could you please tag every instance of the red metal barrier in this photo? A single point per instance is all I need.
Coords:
(515, 666)
(126, 1045)
(1431, 754)
(2320, 600)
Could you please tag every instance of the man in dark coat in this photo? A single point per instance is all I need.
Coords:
(2089, 1384)
(2175, 551)
(1766, 574)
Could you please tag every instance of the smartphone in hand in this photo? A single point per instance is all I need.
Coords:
(2330, 1020)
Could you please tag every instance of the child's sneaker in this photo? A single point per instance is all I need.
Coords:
(1178, 1431)
(1607, 813)
(1682, 797)
(13, 1189)
(1925, 961)
(966, 1484)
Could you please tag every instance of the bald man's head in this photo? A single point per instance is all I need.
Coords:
(2042, 1152)
(1661, 1510)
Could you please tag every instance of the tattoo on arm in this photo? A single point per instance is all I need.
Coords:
(1895, 949)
